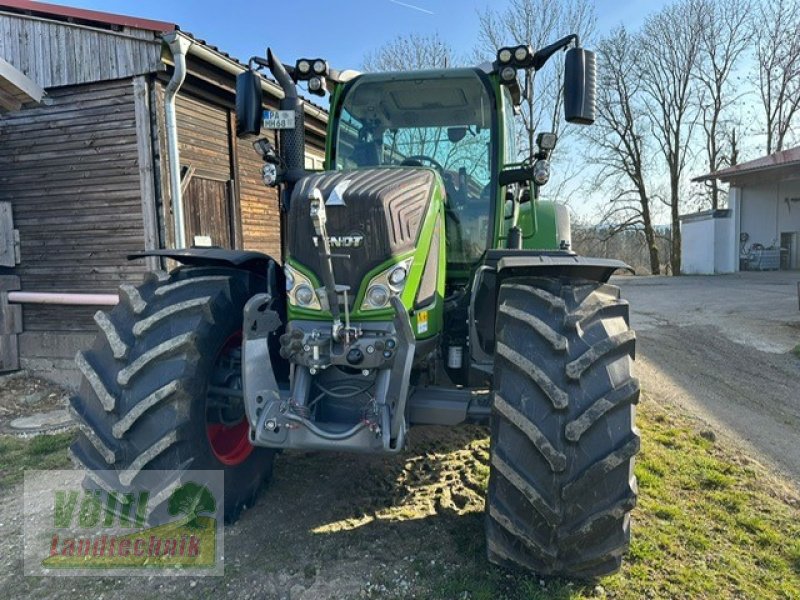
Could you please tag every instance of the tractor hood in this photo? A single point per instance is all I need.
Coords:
(372, 215)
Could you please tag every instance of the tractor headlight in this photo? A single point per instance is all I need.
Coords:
(504, 55)
(521, 53)
(320, 67)
(383, 286)
(316, 85)
(508, 74)
(269, 174)
(303, 66)
(304, 295)
(541, 172)
(397, 276)
(377, 296)
(300, 289)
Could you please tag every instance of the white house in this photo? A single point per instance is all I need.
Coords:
(761, 229)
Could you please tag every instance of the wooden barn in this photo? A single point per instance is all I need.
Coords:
(85, 173)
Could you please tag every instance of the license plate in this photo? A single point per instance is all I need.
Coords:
(278, 119)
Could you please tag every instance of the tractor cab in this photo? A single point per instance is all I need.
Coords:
(441, 120)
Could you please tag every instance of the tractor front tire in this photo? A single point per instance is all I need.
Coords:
(563, 438)
(149, 397)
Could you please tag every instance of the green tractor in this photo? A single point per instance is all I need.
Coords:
(423, 282)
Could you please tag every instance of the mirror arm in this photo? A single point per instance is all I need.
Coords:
(517, 175)
(261, 63)
(541, 56)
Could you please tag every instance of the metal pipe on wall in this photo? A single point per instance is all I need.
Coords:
(179, 45)
(63, 298)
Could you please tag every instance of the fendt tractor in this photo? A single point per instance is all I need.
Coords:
(423, 281)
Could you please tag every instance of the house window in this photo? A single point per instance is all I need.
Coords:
(315, 162)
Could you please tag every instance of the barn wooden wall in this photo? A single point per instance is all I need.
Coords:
(259, 204)
(70, 170)
(57, 53)
(208, 145)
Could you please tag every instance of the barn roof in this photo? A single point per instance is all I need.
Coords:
(89, 17)
(115, 22)
(782, 160)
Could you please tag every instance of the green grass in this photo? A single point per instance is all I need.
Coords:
(709, 524)
(41, 452)
(796, 351)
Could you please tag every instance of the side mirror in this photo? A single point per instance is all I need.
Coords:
(579, 86)
(249, 108)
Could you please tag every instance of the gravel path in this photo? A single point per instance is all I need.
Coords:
(721, 348)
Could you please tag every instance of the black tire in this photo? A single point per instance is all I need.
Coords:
(561, 483)
(142, 400)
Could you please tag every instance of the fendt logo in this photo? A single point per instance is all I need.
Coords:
(355, 240)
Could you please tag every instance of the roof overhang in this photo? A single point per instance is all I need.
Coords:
(17, 89)
(781, 165)
(210, 55)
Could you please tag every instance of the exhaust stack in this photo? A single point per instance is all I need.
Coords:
(293, 141)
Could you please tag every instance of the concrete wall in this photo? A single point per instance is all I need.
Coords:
(708, 243)
(697, 246)
(726, 252)
(768, 209)
(51, 355)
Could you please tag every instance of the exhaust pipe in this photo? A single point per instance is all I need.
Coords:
(292, 141)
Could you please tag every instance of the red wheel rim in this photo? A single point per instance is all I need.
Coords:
(230, 444)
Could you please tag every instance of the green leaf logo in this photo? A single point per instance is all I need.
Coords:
(191, 499)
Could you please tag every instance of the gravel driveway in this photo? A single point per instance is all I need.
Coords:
(721, 346)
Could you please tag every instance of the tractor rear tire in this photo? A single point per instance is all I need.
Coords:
(563, 438)
(144, 401)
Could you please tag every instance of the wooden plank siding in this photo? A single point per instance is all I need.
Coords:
(207, 143)
(58, 53)
(71, 171)
(259, 204)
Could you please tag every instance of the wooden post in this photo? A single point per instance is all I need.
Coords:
(10, 325)
(146, 175)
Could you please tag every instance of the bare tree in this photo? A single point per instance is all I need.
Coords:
(725, 36)
(411, 52)
(619, 140)
(537, 23)
(777, 30)
(670, 46)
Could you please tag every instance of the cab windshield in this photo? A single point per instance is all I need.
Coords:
(439, 120)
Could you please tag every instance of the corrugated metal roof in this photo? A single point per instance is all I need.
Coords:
(776, 160)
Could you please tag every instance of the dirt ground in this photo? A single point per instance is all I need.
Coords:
(349, 526)
(22, 395)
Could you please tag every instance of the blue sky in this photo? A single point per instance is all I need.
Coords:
(342, 32)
